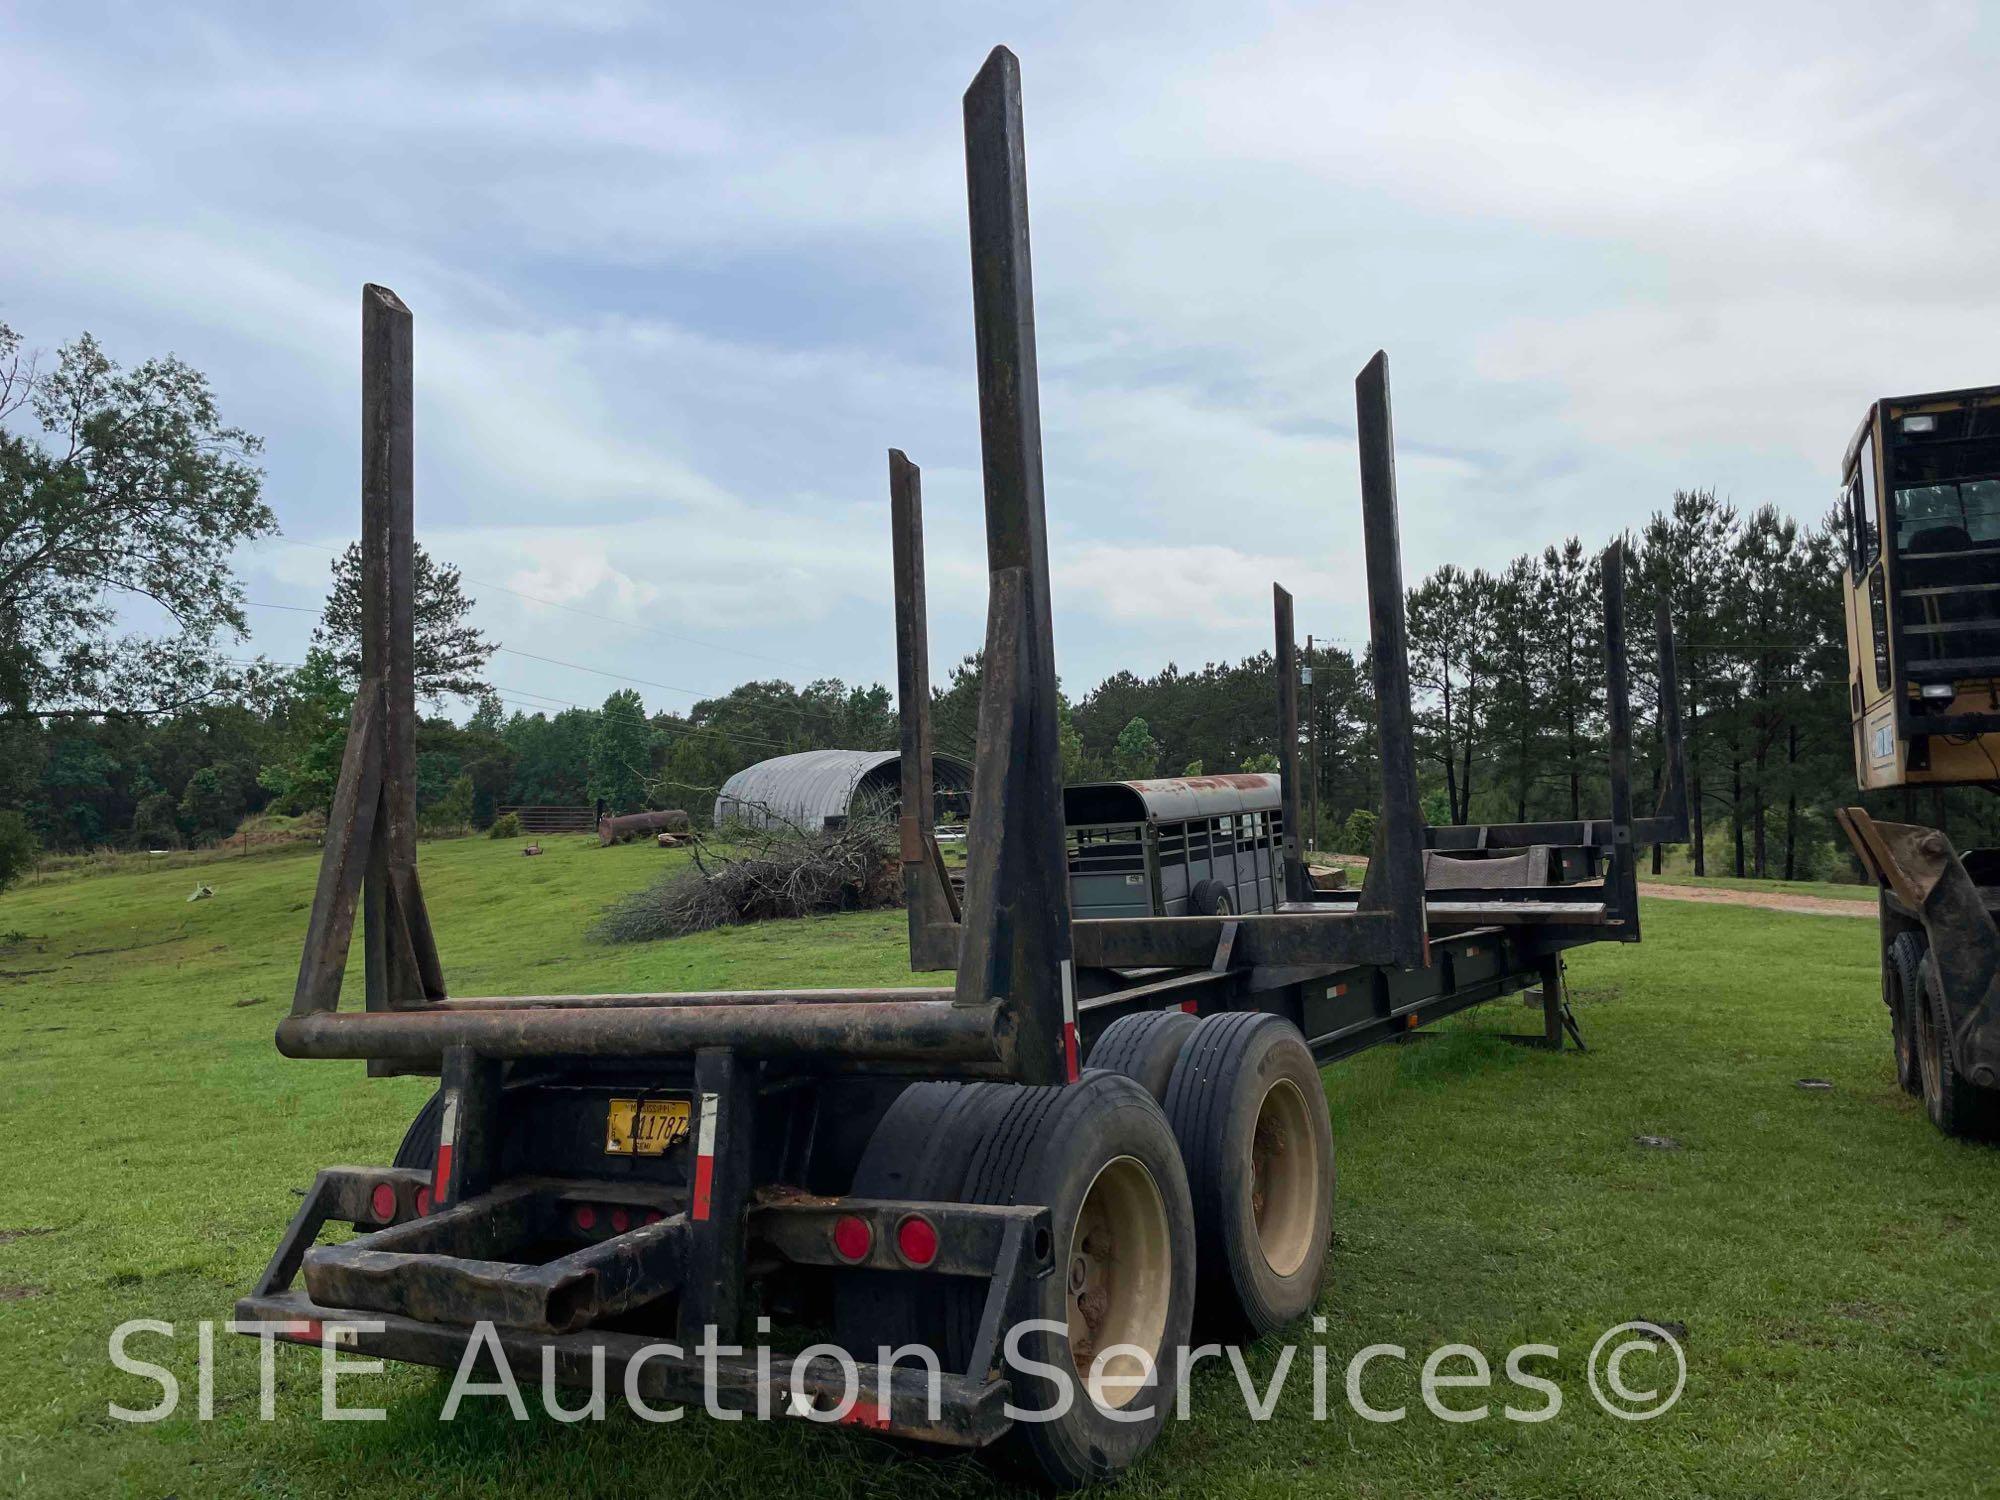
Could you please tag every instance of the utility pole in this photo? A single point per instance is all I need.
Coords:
(1312, 735)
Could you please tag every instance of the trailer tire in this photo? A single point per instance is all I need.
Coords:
(918, 1153)
(420, 1141)
(1101, 1156)
(1144, 1047)
(1249, 1110)
(1906, 959)
(1956, 1105)
(1211, 898)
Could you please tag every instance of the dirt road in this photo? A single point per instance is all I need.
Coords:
(1811, 906)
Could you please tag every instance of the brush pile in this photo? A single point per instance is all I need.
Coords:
(760, 875)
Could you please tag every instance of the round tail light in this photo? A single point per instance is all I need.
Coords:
(853, 1238)
(916, 1240)
(586, 1218)
(382, 1202)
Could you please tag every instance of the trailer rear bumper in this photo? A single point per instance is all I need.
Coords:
(954, 1410)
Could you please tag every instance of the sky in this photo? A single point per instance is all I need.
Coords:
(681, 275)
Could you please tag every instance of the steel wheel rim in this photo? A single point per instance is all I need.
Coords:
(1120, 1276)
(1285, 1178)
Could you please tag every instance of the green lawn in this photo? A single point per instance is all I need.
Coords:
(1834, 1260)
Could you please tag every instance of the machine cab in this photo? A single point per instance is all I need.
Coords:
(1921, 502)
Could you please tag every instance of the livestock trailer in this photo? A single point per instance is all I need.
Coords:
(615, 1186)
(1166, 847)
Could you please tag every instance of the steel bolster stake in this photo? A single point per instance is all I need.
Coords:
(1395, 880)
(1288, 741)
(1017, 942)
(933, 908)
(1622, 883)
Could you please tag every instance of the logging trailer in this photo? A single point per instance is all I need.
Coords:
(1920, 496)
(614, 1178)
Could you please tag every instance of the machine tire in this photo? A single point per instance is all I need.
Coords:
(1211, 898)
(1249, 1110)
(1101, 1155)
(1144, 1047)
(1906, 960)
(1956, 1106)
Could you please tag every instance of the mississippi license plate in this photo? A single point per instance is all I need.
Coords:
(645, 1127)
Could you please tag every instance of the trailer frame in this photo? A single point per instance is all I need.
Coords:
(529, 1230)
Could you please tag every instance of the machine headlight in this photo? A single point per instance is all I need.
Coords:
(1939, 692)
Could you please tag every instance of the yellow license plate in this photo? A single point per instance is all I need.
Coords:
(645, 1127)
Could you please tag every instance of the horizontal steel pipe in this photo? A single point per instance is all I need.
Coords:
(693, 998)
(893, 1031)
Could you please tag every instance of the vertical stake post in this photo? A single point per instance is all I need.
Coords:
(1623, 877)
(1016, 947)
(1288, 740)
(1395, 880)
(933, 914)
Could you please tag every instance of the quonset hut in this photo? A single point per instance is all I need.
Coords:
(817, 789)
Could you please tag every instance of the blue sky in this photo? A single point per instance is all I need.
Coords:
(682, 275)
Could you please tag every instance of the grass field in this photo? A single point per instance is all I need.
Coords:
(1835, 1262)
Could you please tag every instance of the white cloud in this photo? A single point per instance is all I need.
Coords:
(681, 280)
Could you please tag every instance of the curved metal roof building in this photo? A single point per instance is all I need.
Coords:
(816, 787)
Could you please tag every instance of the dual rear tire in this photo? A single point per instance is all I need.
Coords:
(1188, 1175)
(1102, 1158)
(1244, 1096)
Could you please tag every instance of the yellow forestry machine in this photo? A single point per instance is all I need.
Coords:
(1921, 497)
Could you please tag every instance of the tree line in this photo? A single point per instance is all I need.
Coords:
(116, 485)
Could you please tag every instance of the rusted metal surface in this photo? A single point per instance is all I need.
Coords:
(927, 891)
(1016, 944)
(669, 1000)
(401, 955)
(371, 847)
(1296, 883)
(350, 835)
(930, 1032)
(969, 1412)
(1395, 882)
(1621, 880)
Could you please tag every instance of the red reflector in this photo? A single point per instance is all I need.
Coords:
(383, 1202)
(917, 1240)
(423, 1201)
(653, 1216)
(586, 1217)
(853, 1238)
(620, 1221)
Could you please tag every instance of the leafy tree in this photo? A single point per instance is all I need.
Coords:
(1357, 834)
(1137, 752)
(621, 746)
(117, 484)
(451, 812)
(312, 719)
(451, 653)
(211, 804)
(17, 848)
(1448, 627)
